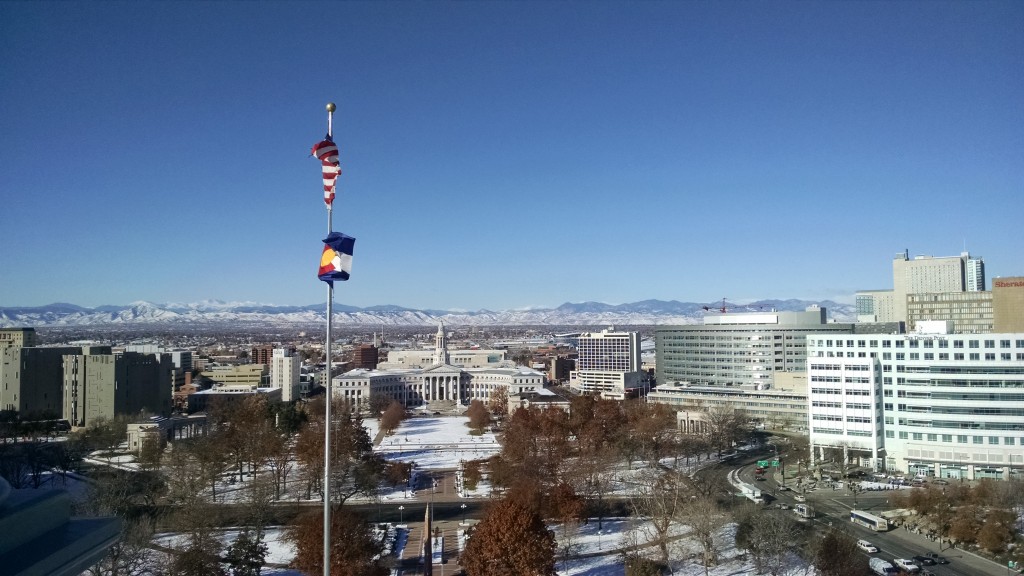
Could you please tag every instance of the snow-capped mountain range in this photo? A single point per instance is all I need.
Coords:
(211, 313)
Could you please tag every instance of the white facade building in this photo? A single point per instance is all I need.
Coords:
(951, 405)
(608, 363)
(285, 373)
(439, 382)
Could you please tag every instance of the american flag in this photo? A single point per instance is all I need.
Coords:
(327, 152)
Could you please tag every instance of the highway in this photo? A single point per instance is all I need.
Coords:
(832, 507)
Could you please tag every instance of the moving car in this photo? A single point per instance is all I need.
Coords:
(800, 498)
(906, 565)
(924, 560)
(867, 546)
(937, 558)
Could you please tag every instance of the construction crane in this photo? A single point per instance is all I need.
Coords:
(722, 309)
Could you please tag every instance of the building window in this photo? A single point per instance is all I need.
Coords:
(943, 344)
(888, 344)
(943, 355)
(903, 435)
(990, 355)
(958, 343)
(929, 356)
(917, 436)
(899, 343)
(947, 437)
(972, 343)
(1009, 441)
(1004, 343)
(958, 356)
(975, 356)
(914, 356)
(978, 439)
(990, 343)
(961, 438)
(889, 434)
(1004, 356)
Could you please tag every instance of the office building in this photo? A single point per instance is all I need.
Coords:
(932, 403)
(285, 367)
(261, 355)
(743, 349)
(366, 356)
(921, 275)
(608, 363)
(970, 312)
(31, 379)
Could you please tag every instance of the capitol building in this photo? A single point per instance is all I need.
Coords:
(407, 377)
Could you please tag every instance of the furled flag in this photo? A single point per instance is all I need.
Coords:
(327, 152)
(336, 260)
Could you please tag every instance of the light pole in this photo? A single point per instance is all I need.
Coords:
(401, 514)
(463, 506)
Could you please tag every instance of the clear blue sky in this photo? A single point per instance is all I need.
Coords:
(504, 154)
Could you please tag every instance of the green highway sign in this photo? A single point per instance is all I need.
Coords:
(762, 463)
(775, 463)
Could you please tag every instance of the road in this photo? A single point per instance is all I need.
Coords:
(833, 506)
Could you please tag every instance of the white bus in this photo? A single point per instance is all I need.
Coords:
(876, 523)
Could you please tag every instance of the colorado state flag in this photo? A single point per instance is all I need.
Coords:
(336, 260)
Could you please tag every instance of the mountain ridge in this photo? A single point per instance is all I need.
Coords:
(209, 312)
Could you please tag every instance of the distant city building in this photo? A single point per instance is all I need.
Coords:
(608, 363)
(930, 403)
(875, 306)
(781, 408)
(561, 368)
(365, 356)
(261, 355)
(970, 312)
(285, 367)
(1008, 304)
(238, 378)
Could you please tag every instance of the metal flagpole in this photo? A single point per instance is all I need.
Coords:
(327, 414)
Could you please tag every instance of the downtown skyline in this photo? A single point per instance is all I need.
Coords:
(504, 155)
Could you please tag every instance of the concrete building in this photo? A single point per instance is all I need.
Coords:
(18, 338)
(1008, 304)
(608, 363)
(241, 378)
(744, 349)
(778, 409)
(285, 367)
(31, 379)
(970, 312)
(261, 354)
(108, 385)
(930, 403)
(875, 306)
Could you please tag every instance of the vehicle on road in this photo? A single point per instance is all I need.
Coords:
(867, 546)
(800, 498)
(881, 567)
(803, 511)
(867, 520)
(939, 559)
(906, 565)
(924, 560)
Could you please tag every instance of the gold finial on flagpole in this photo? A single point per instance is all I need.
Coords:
(331, 107)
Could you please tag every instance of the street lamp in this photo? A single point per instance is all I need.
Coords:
(463, 513)
(401, 514)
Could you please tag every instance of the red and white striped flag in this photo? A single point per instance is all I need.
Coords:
(327, 152)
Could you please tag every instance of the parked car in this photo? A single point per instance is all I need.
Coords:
(924, 560)
(867, 546)
(906, 565)
(800, 498)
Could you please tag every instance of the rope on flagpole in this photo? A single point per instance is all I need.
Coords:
(327, 412)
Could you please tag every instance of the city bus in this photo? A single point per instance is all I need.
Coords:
(876, 523)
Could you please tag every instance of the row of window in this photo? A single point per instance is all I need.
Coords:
(922, 343)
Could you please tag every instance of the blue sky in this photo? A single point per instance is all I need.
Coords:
(504, 154)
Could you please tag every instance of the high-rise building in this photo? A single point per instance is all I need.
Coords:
(931, 403)
(365, 356)
(31, 379)
(929, 274)
(974, 273)
(608, 363)
(284, 373)
(261, 355)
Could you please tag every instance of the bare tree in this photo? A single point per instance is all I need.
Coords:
(704, 518)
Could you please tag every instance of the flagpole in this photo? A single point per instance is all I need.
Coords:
(330, 399)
